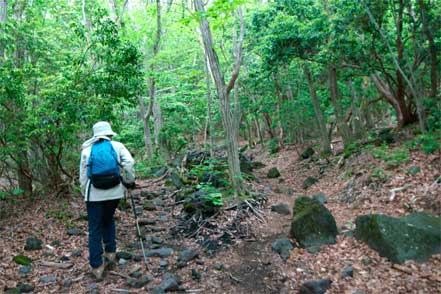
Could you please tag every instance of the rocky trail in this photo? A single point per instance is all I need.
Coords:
(243, 249)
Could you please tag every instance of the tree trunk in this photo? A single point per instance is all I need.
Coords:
(208, 136)
(341, 124)
(223, 92)
(145, 120)
(3, 19)
(326, 144)
(432, 49)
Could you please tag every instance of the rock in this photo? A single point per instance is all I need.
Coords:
(347, 272)
(218, 266)
(156, 240)
(24, 270)
(149, 194)
(13, 291)
(77, 253)
(312, 224)
(136, 275)
(64, 258)
(139, 283)
(149, 205)
(350, 192)
(122, 262)
(413, 170)
(246, 165)
(258, 165)
(282, 246)
(320, 197)
(163, 263)
(176, 180)
(307, 153)
(163, 217)
(48, 279)
(158, 202)
(315, 287)
(33, 244)
(21, 259)
(25, 288)
(416, 236)
(309, 182)
(146, 222)
(161, 252)
(186, 255)
(273, 173)
(195, 275)
(74, 232)
(313, 249)
(67, 283)
(170, 282)
(124, 255)
(281, 208)
(56, 243)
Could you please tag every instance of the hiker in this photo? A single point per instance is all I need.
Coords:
(106, 169)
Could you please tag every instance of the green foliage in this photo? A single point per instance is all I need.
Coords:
(392, 157)
(213, 195)
(273, 146)
(351, 149)
(429, 143)
(379, 174)
(22, 260)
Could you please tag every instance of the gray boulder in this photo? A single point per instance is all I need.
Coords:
(416, 236)
(315, 287)
(273, 173)
(312, 224)
(282, 246)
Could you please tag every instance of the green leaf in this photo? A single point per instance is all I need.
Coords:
(23, 260)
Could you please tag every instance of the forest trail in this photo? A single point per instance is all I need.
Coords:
(240, 262)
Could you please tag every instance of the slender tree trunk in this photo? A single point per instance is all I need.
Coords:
(146, 126)
(3, 19)
(326, 144)
(208, 135)
(432, 49)
(223, 91)
(341, 124)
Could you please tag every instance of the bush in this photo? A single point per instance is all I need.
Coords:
(429, 143)
(273, 146)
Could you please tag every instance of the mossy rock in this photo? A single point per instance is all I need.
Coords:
(312, 224)
(320, 197)
(416, 236)
(413, 170)
(307, 153)
(309, 182)
(273, 173)
(21, 259)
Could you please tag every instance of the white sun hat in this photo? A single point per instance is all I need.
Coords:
(102, 128)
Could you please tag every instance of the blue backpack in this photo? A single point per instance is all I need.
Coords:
(103, 166)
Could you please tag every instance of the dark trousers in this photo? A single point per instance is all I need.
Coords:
(101, 229)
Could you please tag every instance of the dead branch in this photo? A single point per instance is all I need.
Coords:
(120, 275)
(56, 264)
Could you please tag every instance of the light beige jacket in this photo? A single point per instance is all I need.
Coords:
(127, 172)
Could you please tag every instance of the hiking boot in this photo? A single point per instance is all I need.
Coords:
(98, 272)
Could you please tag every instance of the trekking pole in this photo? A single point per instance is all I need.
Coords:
(138, 231)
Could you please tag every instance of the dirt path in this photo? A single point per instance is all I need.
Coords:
(240, 265)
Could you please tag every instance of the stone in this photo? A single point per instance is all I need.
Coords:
(124, 255)
(74, 232)
(320, 197)
(413, 170)
(313, 249)
(176, 180)
(218, 266)
(139, 283)
(315, 286)
(347, 272)
(24, 270)
(416, 236)
(25, 288)
(273, 173)
(309, 182)
(258, 165)
(195, 275)
(312, 224)
(67, 283)
(22, 260)
(158, 202)
(136, 275)
(149, 205)
(170, 282)
(76, 253)
(161, 252)
(64, 258)
(122, 262)
(48, 279)
(163, 263)
(156, 240)
(33, 244)
(147, 222)
(281, 208)
(307, 153)
(282, 246)
(56, 243)
(13, 291)
(186, 255)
